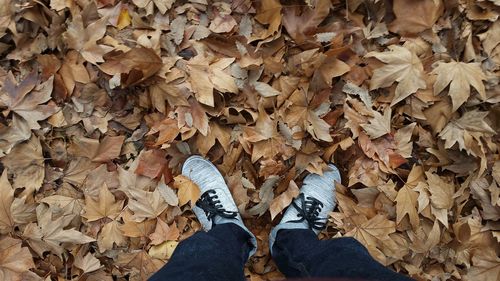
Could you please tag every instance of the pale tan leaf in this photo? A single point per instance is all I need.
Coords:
(379, 125)
(14, 259)
(109, 235)
(460, 76)
(87, 263)
(164, 232)
(104, 207)
(7, 193)
(402, 66)
(146, 205)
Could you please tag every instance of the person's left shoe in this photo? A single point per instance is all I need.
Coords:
(311, 208)
(216, 204)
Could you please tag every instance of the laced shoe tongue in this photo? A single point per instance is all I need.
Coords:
(209, 202)
(308, 211)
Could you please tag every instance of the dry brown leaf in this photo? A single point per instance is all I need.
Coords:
(134, 66)
(374, 234)
(84, 39)
(415, 16)
(406, 202)
(27, 99)
(187, 190)
(162, 5)
(87, 263)
(266, 196)
(379, 125)
(460, 76)
(110, 234)
(48, 234)
(460, 130)
(152, 164)
(121, 93)
(146, 205)
(402, 66)
(105, 206)
(7, 193)
(441, 191)
(284, 199)
(26, 162)
(134, 229)
(109, 149)
(302, 27)
(486, 266)
(14, 259)
(269, 12)
(164, 232)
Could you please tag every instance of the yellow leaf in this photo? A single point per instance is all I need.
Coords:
(124, 19)
(187, 190)
(163, 251)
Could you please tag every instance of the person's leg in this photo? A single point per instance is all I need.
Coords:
(299, 253)
(219, 254)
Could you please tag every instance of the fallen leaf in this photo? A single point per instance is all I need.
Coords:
(26, 161)
(110, 235)
(146, 205)
(134, 66)
(415, 16)
(284, 199)
(87, 263)
(48, 234)
(406, 201)
(163, 251)
(187, 191)
(458, 131)
(14, 259)
(84, 39)
(301, 27)
(27, 99)
(379, 125)
(486, 266)
(6, 221)
(164, 232)
(460, 76)
(402, 66)
(266, 196)
(105, 206)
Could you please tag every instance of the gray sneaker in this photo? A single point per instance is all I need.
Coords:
(311, 208)
(216, 204)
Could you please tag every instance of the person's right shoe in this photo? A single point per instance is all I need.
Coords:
(311, 208)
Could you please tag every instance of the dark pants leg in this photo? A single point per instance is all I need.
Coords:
(299, 253)
(219, 254)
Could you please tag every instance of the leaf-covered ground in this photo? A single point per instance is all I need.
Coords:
(102, 100)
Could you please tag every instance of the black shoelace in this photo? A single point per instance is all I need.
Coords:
(209, 202)
(309, 211)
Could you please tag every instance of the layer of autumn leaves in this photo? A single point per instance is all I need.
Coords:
(102, 100)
